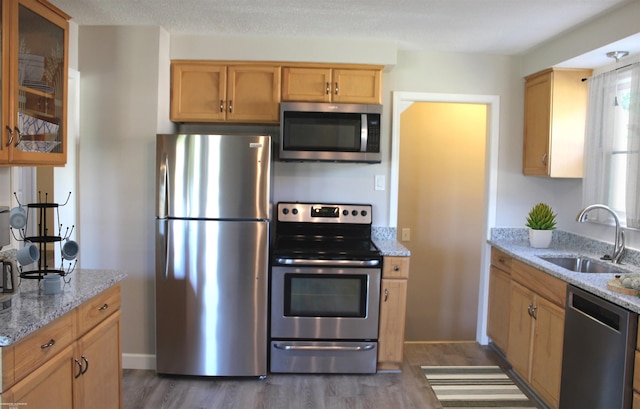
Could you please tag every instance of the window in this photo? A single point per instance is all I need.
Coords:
(612, 148)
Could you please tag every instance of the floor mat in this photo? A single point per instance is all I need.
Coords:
(475, 387)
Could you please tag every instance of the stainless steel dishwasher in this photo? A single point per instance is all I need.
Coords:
(598, 353)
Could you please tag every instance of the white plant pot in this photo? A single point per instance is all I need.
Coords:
(540, 239)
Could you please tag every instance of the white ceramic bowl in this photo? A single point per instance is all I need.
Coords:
(30, 67)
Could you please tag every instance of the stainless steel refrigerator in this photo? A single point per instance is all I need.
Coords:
(212, 235)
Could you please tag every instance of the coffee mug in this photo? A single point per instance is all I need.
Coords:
(51, 284)
(18, 217)
(70, 249)
(28, 254)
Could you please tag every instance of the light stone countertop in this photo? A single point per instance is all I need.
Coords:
(31, 309)
(385, 239)
(514, 242)
(392, 248)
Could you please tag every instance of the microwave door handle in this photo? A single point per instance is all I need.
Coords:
(363, 133)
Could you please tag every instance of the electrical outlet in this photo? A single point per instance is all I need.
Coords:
(406, 234)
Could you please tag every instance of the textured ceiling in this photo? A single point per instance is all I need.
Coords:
(506, 27)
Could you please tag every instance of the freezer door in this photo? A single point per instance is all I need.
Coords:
(213, 176)
(211, 297)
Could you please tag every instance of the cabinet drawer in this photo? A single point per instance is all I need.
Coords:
(98, 308)
(395, 267)
(549, 287)
(501, 260)
(43, 344)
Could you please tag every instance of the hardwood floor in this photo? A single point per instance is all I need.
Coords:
(406, 390)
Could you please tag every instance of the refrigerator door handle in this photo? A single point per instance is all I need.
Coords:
(163, 186)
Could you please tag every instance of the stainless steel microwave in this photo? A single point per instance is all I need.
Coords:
(330, 132)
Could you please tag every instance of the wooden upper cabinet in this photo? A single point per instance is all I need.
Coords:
(205, 91)
(327, 84)
(253, 93)
(306, 84)
(357, 86)
(35, 42)
(198, 91)
(555, 105)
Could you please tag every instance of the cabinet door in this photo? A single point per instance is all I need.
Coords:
(99, 384)
(38, 91)
(537, 125)
(198, 91)
(356, 86)
(498, 315)
(393, 307)
(49, 386)
(520, 329)
(306, 84)
(5, 9)
(253, 93)
(546, 363)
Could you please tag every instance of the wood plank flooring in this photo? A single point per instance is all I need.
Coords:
(406, 390)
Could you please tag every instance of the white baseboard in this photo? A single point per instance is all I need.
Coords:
(138, 361)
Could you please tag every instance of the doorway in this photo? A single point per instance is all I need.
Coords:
(443, 178)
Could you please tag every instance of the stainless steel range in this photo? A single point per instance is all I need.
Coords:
(325, 289)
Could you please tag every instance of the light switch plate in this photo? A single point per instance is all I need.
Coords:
(379, 182)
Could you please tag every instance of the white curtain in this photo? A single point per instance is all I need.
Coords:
(633, 164)
(599, 143)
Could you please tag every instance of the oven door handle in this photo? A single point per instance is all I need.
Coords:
(311, 262)
(288, 347)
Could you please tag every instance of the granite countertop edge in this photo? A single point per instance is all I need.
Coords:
(391, 248)
(593, 283)
(32, 310)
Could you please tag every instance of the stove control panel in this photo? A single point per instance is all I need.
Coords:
(324, 213)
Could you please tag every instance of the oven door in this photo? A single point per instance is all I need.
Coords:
(325, 303)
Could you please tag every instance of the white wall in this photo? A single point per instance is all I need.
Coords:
(120, 75)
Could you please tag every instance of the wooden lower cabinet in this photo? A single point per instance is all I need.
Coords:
(99, 384)
(393, 311)
(49, 386)
(536, 330)
(80, 372)
(498, 314)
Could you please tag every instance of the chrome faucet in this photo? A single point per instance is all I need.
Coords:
(618, 244)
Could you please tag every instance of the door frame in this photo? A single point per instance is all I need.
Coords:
(402, 101)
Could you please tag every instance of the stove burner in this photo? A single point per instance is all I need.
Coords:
(308, 236)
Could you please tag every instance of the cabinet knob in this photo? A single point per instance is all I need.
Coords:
(544, 159)
(77, 375)
(221, 105)
(48, 344)
(10, 136)
(336, 88)
(386, 294)
(328, 89)
(17, 131)
(396, 268)
(230, 106)
(104, 307)
(86, 366)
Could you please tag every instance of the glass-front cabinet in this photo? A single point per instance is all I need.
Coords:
(34, 83)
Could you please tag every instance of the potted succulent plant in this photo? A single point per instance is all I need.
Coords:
(541, 222)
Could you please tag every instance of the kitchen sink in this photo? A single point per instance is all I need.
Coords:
(582, 265)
